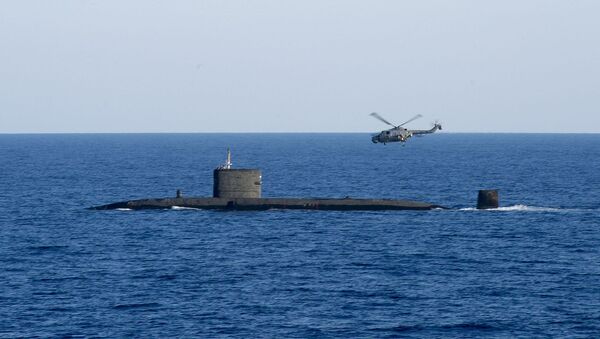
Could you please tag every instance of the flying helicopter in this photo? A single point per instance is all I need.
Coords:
(399, 133)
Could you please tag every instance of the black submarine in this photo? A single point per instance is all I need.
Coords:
(240, 189)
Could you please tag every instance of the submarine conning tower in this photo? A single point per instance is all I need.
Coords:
(236, 183)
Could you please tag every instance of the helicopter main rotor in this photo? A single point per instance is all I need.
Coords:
(380, 118)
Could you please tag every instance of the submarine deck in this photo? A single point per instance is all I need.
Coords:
(258, 204)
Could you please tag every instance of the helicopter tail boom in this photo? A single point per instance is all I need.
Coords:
(435, 128)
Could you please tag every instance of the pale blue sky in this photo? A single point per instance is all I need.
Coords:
(298, 66)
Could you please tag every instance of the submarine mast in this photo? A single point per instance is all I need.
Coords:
(228, 163)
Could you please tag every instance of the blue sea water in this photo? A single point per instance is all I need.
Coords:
(528, 269)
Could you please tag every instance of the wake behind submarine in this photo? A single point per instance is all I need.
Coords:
(240, 189)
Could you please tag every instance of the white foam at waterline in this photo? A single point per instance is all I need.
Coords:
(517, 208)
(529, 208)
(179, 208)
(123, 209)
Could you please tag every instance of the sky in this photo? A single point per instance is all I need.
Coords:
(298, 66)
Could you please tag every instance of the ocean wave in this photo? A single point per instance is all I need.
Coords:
(136, 305)
(123, 209)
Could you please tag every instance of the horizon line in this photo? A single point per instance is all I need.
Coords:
(445, 132)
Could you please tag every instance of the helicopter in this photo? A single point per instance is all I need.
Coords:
(399, 133)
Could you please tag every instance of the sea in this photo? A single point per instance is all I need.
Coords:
(529, 269)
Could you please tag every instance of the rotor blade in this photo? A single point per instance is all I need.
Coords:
(412, 119)
(380, 118)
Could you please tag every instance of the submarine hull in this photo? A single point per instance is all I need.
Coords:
(258, 204)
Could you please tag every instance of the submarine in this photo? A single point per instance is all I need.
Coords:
(240, 189)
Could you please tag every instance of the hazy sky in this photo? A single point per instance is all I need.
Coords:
(298, 66)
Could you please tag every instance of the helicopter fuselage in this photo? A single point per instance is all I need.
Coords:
(397, 134)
